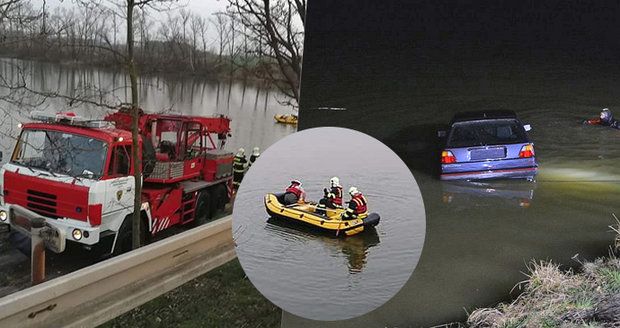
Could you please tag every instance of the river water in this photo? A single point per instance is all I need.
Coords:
(317, 275)
(251, 107)
(480, 236)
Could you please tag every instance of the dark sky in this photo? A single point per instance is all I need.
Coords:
(544, 23)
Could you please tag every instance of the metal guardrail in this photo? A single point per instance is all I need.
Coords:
(101, 292)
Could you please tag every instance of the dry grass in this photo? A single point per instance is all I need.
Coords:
(553, 297)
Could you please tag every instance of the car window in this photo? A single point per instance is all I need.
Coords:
(486, 132)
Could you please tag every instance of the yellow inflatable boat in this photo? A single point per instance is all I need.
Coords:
(286, 119)
(306, 213)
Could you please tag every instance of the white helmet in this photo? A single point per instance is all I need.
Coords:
(297, 182)
(353, 191)
(606, 115)
(256, 151)
(335, 182)
(241, 152)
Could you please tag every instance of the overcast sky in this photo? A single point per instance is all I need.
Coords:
(206, 7)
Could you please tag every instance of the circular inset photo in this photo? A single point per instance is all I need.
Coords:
(328, 223)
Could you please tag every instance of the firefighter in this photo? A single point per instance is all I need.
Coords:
(294, 193)
(358, 206)
(239, 167)
(254, 156)
(332, 197)
(606, 118)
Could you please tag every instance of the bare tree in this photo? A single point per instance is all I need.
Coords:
(277, 24)
(130, 6)
(220, 22)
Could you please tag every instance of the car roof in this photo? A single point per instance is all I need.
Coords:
(483, 115)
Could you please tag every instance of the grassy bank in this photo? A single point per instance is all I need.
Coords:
(552, 297)
(224, 297)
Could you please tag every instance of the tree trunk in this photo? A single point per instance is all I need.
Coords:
(135, 110)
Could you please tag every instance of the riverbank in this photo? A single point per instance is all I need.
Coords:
(556, 297)
(224, 297)
(215, 72)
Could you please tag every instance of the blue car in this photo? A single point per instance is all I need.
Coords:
(487, 145)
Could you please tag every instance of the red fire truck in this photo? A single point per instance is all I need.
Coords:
(77, 175)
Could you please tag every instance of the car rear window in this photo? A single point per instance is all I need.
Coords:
(486, 132)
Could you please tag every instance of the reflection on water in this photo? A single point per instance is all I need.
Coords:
(488, 193)
(251, 107)
(355, 249)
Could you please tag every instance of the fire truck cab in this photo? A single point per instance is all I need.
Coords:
(78, 175)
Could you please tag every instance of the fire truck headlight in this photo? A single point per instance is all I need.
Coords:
(77, 234)
(3, 216)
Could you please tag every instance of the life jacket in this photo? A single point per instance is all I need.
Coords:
(295, 189)
(336, 194)
(239, 164)
(360, 203)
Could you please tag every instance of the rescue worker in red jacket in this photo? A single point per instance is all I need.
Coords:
(332, 197)
(606, 118)
(294, 193)
(358, 206)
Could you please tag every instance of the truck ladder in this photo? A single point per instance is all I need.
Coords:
(188, 207)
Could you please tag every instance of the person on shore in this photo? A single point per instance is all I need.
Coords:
(254, 156)
(240, 163)
(606, 118)
(294, 193)
(332, 197)
(358, 206)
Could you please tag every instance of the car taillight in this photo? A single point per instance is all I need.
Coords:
(94, 214)
(447, 157)
(527, 151)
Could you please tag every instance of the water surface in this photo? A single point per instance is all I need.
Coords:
(317, 275)
(480, 237)
(250, 106)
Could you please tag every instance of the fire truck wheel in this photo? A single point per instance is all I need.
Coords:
(124, 241)
(203, 208)
(221, 198)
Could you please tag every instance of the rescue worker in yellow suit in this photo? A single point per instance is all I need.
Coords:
(240, 164)
(358, 206)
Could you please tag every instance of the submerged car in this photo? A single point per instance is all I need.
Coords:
(487, 145)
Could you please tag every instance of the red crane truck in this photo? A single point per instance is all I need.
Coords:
(77, 175)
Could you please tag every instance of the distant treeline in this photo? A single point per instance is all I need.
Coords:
(183, 42)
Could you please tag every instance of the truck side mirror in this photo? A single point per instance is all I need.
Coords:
(441, 134)
(527, 127)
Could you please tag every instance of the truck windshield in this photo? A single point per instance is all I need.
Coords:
(62, 153)
(486, 133)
